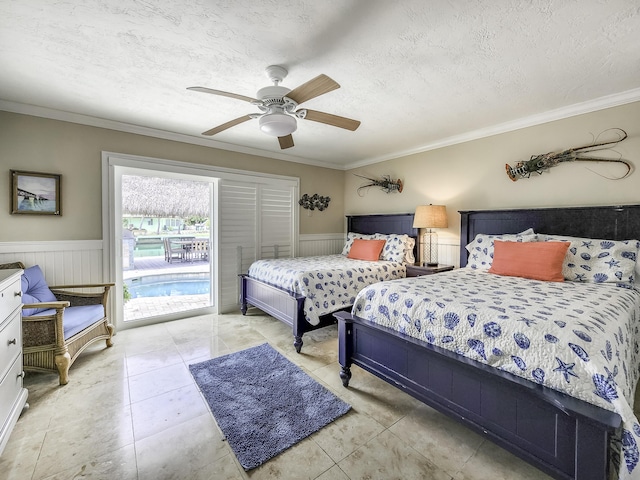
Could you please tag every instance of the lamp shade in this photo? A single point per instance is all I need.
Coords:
(277, 124)
(430, 216)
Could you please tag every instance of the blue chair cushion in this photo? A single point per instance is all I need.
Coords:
(35, 290)
(77, 318)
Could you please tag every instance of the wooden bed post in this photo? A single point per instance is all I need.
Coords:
(345, 345)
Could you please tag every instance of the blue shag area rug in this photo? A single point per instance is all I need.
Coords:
(263, 403)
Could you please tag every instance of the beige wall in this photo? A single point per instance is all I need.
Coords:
(465, 176)
(42, 145)
(472, 175)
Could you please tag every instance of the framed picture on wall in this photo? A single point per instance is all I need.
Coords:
(34, 193)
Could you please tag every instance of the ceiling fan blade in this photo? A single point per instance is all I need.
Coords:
(334, 120)
(312, 89)
(229, 124)
(286, 142)
(224, 94)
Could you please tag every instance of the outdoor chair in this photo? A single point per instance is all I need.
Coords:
(200, 250)
(58, 323)
(173, 250)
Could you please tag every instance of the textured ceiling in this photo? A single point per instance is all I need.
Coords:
(416, 73)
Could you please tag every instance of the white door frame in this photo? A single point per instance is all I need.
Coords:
(112, 225)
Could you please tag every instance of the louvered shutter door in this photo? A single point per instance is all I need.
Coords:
(238, 232)
(276, 205)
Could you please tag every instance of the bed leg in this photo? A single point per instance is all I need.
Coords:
(345, 345)
(299, 324)
(243, 294)
(345, 375)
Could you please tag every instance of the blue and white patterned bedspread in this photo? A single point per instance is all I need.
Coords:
(329, 282)
(579, 338)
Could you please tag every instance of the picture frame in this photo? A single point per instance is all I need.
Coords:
(35, 193)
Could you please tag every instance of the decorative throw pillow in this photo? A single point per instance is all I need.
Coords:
(366, 249)
(534, 260)
(481, 248)
(35, 290)
(395, 247)
(409, 256)
(598, 261)
(351, 236)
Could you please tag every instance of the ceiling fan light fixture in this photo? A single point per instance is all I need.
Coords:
(278, 124)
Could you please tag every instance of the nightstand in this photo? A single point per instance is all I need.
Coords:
(419, 270)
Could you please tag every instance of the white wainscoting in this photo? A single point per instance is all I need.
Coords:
(63, 262)
(449, 254)
(320, 244)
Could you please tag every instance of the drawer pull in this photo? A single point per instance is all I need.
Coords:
(12, 342)
(20, 375)
(17, 294)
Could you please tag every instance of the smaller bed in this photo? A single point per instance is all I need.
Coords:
(278, 293)
(564, 436)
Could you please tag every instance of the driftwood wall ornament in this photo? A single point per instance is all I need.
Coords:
(314, 202)
(386, 184)
(541, 163)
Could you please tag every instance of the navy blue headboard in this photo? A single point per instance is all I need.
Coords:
(400, 223)
(616, 222)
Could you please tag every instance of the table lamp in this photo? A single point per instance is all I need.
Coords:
(430, 216)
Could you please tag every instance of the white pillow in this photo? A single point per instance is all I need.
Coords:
(351, 236)
(595, 260)
(409, 257)
(390, 254)
(481, 248)
(395, 247)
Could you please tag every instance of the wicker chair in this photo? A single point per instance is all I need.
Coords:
(46, 345)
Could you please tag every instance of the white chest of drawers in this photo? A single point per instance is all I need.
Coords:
(13, 396)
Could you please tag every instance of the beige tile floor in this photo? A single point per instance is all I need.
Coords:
(134, 412)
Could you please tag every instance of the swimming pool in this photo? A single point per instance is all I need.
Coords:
(172, 284)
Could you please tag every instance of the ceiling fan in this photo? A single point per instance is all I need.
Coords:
(278, 106)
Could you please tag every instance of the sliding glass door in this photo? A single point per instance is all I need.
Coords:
(176, 235)
(166, 245)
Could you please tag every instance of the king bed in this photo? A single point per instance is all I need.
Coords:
(305, 292)
(545, 369)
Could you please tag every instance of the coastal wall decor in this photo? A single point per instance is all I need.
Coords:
(385, 183)
(314, 202)
(35, 193)
(541, 163)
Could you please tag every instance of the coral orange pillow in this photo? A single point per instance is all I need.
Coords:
(366, 249)
(534, 260)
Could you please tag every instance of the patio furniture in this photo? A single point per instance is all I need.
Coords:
(58, 323)
(179, 248)
(176, 248)
(200, 249)
(172, 250)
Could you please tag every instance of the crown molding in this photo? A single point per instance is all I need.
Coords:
(594, 105)
(70, 117)
(589, 106)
